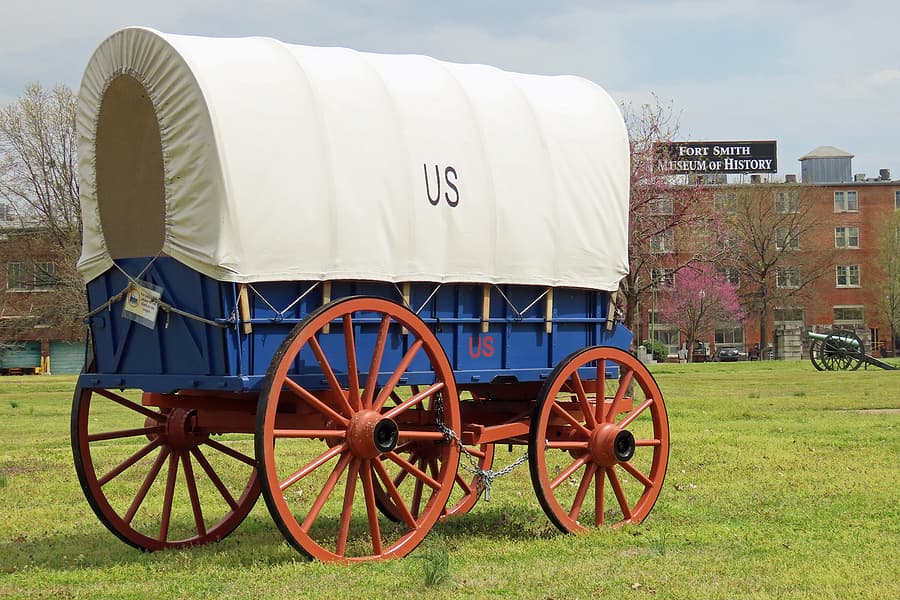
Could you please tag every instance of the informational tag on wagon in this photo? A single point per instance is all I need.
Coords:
(142, 303)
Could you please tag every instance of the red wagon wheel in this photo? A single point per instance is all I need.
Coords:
(350, 439)
(156, 479)
(598, 445)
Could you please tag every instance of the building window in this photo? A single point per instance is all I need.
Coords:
(7, 213)
(44, 276)
(787, 202)
(789, 314)
(787, 239)
(729, 274)
(663, 243)
(846, 202)
(725, 202)
(846, 237)
(663, 279)
(847, 275)
(848, 315)
(788, 277)
(664, 332)
(730, 334)
(897, 200)
(15, 276)
(661, 206)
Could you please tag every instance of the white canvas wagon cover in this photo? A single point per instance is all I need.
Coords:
(253, 160)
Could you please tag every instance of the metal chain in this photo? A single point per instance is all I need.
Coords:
(484, 477)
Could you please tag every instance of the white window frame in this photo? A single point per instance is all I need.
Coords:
(787, 202)
(787, 278)
(844, 237)
(19, 282)
(44, 276)
(663, 243)
(786, 240)
(663, 279)
(849, 321)
(850, 274)
(897, 200)
(729, 274)
(793, 309)
(843, 202)
(661, 205)
(725, 202)
(729, 334)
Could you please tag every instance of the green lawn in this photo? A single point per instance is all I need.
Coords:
(782, 483)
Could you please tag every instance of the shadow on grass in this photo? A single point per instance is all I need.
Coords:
(256, 541)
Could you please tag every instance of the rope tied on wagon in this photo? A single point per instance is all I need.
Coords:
(164, 306)
(485, 477)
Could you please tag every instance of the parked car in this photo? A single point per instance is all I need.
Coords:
(728, 354)
(700, 352)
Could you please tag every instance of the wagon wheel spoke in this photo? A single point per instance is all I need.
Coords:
(375, 366)
(304, 394)
(583, 402)
(129, 462)
(333, 383)
(624, 382)
(192, 493)
(392, 460)
(145, 486)
(312, 466)
(583, 488)
(600, 408)
(572, 451)
(620, 493)
(120, 469)
(325, 492)
(352, 369)
(371, 508)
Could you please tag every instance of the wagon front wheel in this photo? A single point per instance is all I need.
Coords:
(351, 403)
(598, 441)
(153, 476)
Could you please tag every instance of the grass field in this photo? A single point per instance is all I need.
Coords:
(782, 483)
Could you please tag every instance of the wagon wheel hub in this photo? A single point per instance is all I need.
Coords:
(370, 434)
(610, 444)
(180, 429)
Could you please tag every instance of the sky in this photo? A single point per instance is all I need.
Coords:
(805, 73)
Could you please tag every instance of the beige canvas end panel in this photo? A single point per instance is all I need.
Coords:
(129, 171)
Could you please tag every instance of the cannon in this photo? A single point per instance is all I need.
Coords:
(339, 281)
(840, 350)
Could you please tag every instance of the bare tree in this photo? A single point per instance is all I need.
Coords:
(767, 229)
(672, 224)
(888, 303)
(38, 183)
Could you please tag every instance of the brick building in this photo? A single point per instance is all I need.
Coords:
(849, 211)
(39, 324)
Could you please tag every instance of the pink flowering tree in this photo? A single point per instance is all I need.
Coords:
(699, 299)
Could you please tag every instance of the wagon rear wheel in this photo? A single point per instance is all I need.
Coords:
(599, 441)
(153, 477)
(330, 401)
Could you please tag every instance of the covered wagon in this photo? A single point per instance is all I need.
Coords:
(328, 276)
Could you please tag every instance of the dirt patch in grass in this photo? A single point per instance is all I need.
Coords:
(10, 469)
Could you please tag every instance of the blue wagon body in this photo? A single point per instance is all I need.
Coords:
(510, 344)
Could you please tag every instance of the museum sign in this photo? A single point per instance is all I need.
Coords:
(682, 158)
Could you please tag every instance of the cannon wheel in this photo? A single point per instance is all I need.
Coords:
(350, 437)
(839, 352)
(593, 462)
(153, 478)
(815, 355)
